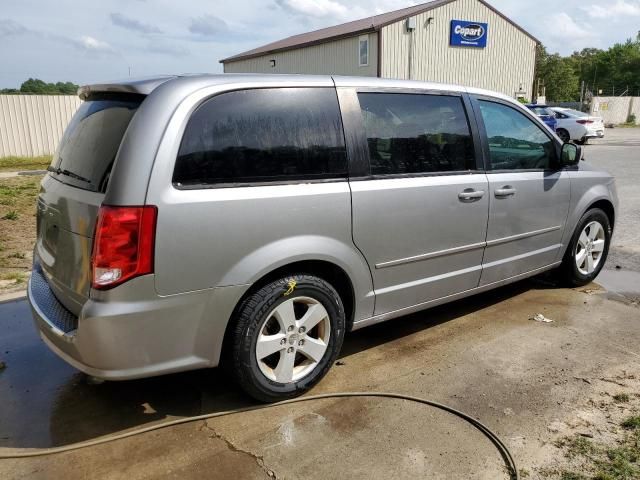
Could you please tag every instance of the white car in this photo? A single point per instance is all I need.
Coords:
(577, 126)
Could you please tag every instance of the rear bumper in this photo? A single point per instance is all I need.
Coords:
(119, 338)
(597, 133)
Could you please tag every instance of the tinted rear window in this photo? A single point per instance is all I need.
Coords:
(267, 135)
(91, 141)
(416, 133)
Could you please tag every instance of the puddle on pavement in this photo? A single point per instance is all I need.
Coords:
(45, 402)
(620, 283)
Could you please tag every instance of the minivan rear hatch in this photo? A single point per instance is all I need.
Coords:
(73, 191)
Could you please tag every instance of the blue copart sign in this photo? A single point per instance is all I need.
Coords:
(468, 34)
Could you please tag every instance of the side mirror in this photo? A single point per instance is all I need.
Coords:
(570, 155)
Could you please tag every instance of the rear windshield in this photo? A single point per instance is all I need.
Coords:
(89, 145)
(576, 113)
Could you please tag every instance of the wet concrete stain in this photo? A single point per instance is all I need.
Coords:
(469, 354)
(621, 283)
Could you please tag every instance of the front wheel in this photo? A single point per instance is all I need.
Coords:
(287, 336)
(588, 249)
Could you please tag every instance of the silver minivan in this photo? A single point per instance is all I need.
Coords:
(253, 220)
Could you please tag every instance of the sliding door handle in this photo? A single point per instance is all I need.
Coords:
(470, 194)
(506, 191)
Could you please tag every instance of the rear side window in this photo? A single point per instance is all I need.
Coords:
(416, 133)
(281, 134)
(90, 143)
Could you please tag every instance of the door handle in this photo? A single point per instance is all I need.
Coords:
(470, 194)
(505, 191)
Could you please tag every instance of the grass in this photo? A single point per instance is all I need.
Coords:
(619, 462)
(632, 423)
(17, 226)
(19, 277)
(14, 164)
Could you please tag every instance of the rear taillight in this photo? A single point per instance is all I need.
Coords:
(123, 245)
(584, 122)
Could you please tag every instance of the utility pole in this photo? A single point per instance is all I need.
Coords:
(582, 94)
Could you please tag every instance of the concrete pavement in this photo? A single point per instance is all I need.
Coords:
(531, 382)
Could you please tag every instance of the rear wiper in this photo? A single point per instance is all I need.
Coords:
(68, 173)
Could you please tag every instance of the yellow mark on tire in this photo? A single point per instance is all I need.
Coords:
(292, 286)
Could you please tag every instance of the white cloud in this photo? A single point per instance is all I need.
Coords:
(9, 27)
(132, 24)
(208, 25)
(619, 9)
(315, 8)
(562, 26)
(91, 43)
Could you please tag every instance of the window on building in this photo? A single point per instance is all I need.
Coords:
(363, 50)
(415, 133)
(515, 142)
(263, 135)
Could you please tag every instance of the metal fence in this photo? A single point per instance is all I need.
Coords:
(32, 125)
(615, 109)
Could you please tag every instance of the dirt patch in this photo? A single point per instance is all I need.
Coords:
(17, 229)
(601, 440)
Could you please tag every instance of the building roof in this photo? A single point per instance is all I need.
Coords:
(349, 29)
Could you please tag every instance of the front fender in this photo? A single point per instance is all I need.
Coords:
(587, 188)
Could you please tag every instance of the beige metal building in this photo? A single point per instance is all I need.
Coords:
(465, 42)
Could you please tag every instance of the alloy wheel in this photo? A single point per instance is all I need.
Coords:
(590, 248)
(293, 339)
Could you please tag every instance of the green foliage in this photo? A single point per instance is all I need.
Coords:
(561, 82)
(12, 215)
(37, 86)
(15, 164)
(618, 67)
(631, 119)
(632, 423)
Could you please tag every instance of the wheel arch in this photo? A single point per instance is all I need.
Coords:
(594, 198)
(607, 207)
(332, 273)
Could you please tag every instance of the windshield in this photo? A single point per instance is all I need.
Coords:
(90, 143)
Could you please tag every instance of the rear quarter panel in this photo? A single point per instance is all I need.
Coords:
(219, 237)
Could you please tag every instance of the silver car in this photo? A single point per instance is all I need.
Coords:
(254, 220)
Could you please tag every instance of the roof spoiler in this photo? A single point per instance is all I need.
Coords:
(143, 86)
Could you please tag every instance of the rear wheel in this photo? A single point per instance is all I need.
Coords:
(287, 336)
(588, 249)
(583, 141)
(563, 134)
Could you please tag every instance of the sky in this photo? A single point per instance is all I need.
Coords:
(90, 41)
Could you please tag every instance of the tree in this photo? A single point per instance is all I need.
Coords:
(613, 70)
(37, 86)
(559, 77)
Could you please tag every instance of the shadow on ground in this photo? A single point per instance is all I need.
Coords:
(46, 403)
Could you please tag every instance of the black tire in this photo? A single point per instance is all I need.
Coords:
(571, 275)
(252, 317)
(583, 141)
(563, 135)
